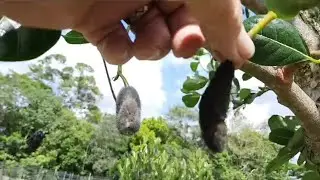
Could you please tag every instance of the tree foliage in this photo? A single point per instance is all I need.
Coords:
(160, 149)
(74, 145)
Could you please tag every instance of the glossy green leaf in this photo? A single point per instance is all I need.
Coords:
(195, 83)
(293, 123)
(311, 175)
(246, 76)
(283, 157)
(244, 93)
(185, 91)
(287, 122)
(297, 140)
(190, 100)
(27, 43)
(276, 122)
(74, 37)
(280, 136)
(278, 44)
(194, 66)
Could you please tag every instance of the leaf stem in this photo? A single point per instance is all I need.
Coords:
(262, 23)
(316, 61)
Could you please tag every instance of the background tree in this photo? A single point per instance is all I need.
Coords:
(76, 85)
(296, 43)
(160, 149)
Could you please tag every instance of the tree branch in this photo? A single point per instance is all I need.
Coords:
(256, 6)
(292, 96)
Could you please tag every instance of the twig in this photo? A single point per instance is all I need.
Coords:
(109, 80)
(292, 96)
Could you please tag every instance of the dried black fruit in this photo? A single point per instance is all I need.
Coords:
(213, 107)
(128, 111)
(34, 141)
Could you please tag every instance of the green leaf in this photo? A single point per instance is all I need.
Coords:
(251, 98)
(74, 37)
(280, 136)
(244, 93)
(297, 140)
(246, 76)
(278, 44)
(190, 100)
(184, 91)
(194, 66)
(200, 52)
(276, 122)
(283, 157)
(27, 43)
(287, 122)
(293, 122)
(311, 175)
(195, 83)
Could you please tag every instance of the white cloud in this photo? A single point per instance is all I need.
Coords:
(145, 76)
(257, 113)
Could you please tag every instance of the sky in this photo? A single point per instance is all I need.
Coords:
(158, 82)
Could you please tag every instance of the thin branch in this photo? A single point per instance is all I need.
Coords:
(109, 80)
(292, 96)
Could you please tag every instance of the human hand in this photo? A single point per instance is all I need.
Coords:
(221, 22)
(168, 25)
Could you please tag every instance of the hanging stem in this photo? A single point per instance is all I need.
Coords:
(109, 80)
(119, 74)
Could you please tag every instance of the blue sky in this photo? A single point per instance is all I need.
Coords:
(158, 82)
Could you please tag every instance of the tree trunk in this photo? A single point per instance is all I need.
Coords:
(302, 96)
(308, 74)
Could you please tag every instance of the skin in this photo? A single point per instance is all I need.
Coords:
(180, 26)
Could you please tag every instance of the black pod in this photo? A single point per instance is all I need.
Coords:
(128, 111)
(213, 107)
